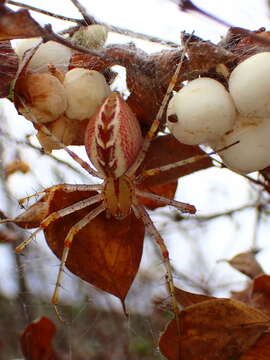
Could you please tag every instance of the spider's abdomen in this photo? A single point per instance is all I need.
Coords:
(113, 137)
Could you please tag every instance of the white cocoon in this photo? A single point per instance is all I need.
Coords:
(86, 90)
(252, 153)
(23, 45)
(50, 53)
(249, 85)
(204, 111)
(92, 36)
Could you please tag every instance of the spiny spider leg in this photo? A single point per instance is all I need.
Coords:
(67, 244)
(183, 207)
(59, 214)
(62, 187)
(158, 170)
(74, 156)
(150, 227)
(156, 123)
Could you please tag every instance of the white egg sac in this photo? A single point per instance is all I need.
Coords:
(252, 153)
(203, 110)
(249, 85)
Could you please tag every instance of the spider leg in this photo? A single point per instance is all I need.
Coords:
(150, 227)
(74, 156)
(183, 207)
(59, 214)
(156, 123)
(67, 244)
(63, 187)
(158, 170)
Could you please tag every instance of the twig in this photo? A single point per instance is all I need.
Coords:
(115, 29)
(34, 147)
(89, 19)
(188, 5)
(215, 215)
(224, 213)
(44, 12)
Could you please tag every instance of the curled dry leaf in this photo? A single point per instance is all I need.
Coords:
(245, 43)
(8, 67)
(246, 263)
(106, 252)
(203, 55)
(17, 25)
(32, 217)
(148, 82)
(218, 329)
(186, 298)
(91, 62)
(36, 340)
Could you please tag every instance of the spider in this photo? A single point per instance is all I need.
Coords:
(115, 146)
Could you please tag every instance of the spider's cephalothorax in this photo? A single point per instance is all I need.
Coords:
(112, 140)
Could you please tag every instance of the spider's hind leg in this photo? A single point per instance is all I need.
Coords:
(140, 212)
(183, 207)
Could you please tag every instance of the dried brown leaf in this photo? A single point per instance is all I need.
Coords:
(32, 217)
(106, 252)
(36, 340)
(245, 43)
(165, 190)
(204, 55)
(247, 264)
(218, 329)
(17, 25)
(186, 298)
(8, 67)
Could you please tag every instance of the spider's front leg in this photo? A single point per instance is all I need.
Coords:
(57, 215)
(61, 187)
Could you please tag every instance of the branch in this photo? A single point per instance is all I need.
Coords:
(80, 22)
